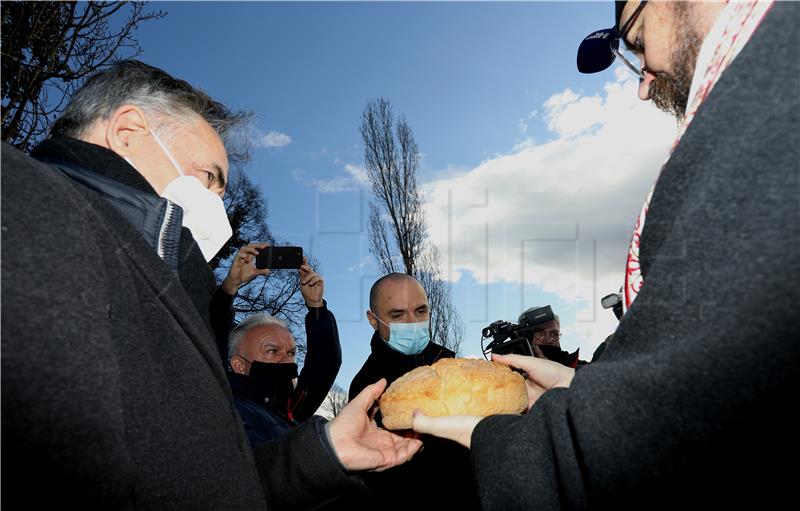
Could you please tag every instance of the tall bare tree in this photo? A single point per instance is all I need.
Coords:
(397, 231)
(49, 48)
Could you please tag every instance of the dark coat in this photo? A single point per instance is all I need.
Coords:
(385, 362)
(690, 405)
(266, 413)
(113, 394)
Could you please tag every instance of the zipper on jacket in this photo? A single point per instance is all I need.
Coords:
(165, 224)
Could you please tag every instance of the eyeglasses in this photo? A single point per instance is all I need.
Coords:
(623, 32)
(554, 335)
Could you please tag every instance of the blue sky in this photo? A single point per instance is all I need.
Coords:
(534, 172)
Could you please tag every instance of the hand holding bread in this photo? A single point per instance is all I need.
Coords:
(453, 386)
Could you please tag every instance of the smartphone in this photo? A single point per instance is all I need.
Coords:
(279, 258)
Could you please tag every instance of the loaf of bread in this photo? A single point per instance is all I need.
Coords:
(453, 386)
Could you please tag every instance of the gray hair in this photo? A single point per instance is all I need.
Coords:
(154, 91)
(238, 333)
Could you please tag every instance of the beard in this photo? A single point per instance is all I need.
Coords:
(670, 91)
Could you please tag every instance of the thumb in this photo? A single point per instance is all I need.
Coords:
(366, 397)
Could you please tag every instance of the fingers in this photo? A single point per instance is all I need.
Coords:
(409, 448)
(457, 427)
(525, 363)
(245, 255)
(312, 281)
(539, 371)
(402, 450)
(251, 250)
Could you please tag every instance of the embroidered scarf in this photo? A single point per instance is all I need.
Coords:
(733, 28)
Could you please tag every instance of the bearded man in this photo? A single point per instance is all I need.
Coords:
(687, 406)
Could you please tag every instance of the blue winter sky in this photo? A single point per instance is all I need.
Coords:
(534, 173)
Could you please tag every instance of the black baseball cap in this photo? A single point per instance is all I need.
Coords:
(594, 53)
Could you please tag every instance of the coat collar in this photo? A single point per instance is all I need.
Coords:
(98, 159)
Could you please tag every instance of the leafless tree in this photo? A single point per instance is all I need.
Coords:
(49, 48)
(397, 231)
(335, 401)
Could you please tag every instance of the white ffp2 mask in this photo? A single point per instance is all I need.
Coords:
(203, 210)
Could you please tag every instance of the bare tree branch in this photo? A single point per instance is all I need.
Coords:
(48, 48)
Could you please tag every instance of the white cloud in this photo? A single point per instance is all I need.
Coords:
(557, 215)
(355, 179)
(525, 122)
(274, 139)
(358, 173)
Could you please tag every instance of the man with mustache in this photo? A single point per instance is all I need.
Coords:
(687, 408)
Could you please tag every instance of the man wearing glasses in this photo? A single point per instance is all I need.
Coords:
(689, 407)
(546, 343)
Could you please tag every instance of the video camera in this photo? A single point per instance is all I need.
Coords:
(510, 338)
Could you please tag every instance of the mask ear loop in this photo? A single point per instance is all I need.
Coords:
(166, 151)
(380, 321)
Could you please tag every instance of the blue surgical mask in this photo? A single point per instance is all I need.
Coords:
(408, 338)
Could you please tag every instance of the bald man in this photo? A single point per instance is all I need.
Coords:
(400, 314)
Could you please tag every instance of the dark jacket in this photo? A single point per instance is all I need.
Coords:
(439, 476)
(385, 362)
(267, 413)
(690, 405)
(113, 394)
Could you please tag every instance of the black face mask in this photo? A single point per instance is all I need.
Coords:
(273, 373)
(279, 378)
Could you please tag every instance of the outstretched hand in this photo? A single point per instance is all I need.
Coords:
(358, 441)
(243, 268)
(541, 374)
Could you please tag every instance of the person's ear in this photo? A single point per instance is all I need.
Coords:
(238, 365)
(372, 320)
(126, 127)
